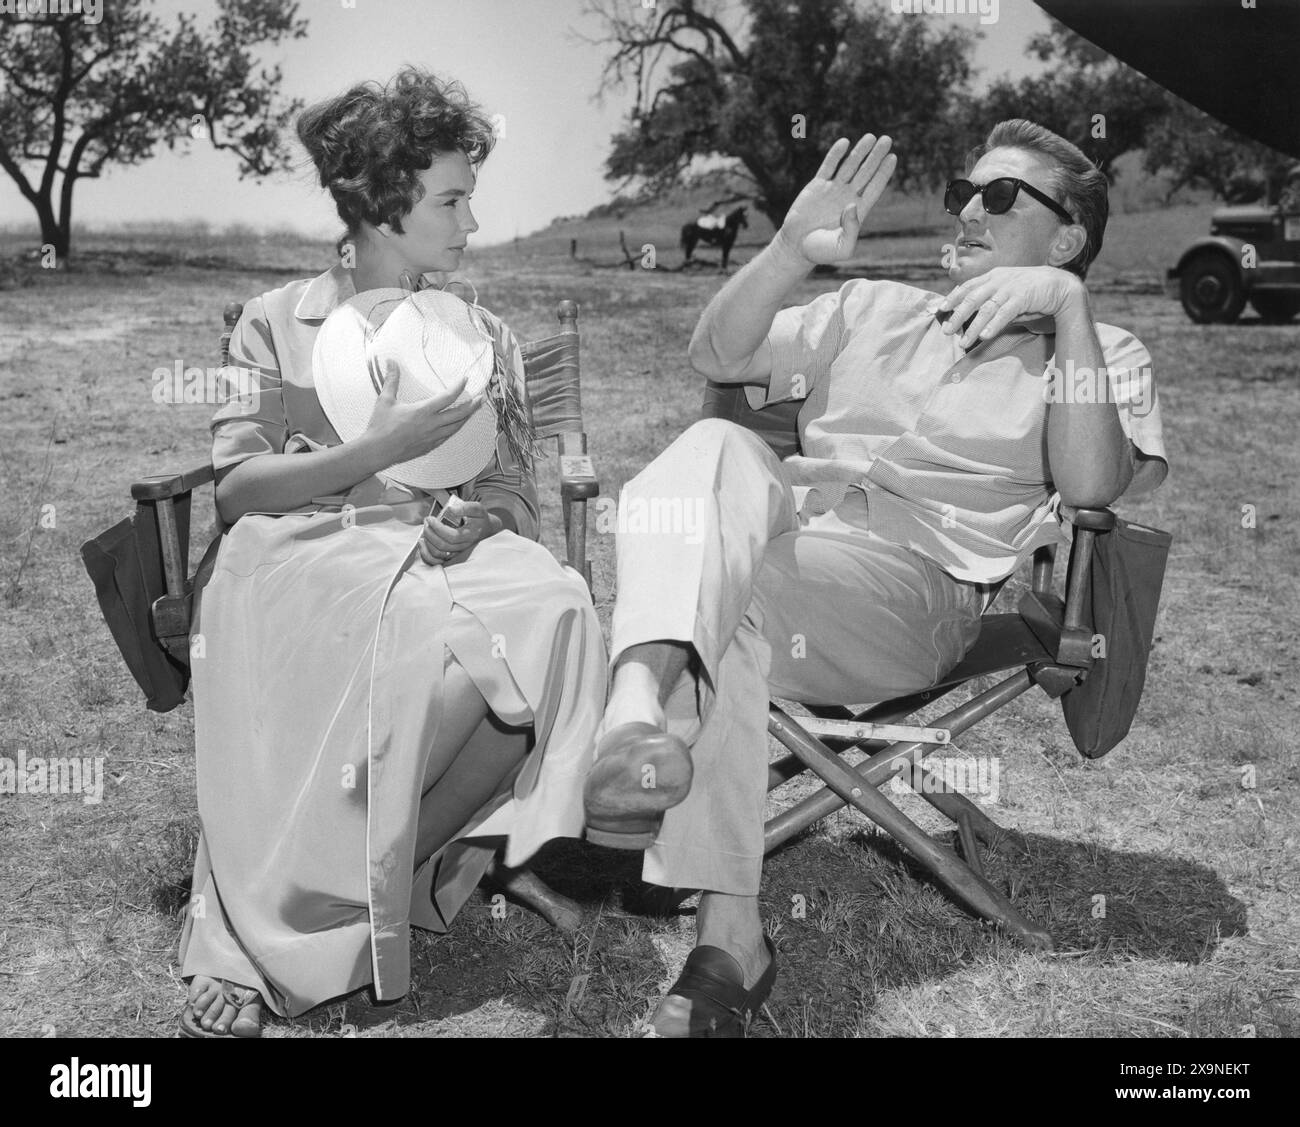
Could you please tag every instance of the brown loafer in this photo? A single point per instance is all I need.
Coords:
(640, 772)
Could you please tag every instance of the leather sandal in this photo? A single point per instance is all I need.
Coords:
(713, 982)
(640, 772)
(240, 998)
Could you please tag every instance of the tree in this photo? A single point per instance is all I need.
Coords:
(772, 87)
(79, 96)
(1197, 151)
(1103, 106)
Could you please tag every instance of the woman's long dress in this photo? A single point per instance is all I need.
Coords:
(318, 666)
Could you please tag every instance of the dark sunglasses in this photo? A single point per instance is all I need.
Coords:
(997, 196)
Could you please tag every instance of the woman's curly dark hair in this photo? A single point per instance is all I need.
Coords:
(371, 143)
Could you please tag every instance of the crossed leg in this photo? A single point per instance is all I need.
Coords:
(824, 612)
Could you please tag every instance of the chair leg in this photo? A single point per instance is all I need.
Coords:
(881, 766)
(972, 890)
(970, 850)
(957, 808)
(973, 825)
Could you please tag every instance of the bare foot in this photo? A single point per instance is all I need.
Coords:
(529, 889)
(224, 1008)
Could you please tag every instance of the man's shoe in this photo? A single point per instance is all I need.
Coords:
(640, 772)
(714, 984)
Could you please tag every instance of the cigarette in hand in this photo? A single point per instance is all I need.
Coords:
(451, 514)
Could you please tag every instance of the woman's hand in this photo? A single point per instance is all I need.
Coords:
(823, 222)
(1006, 294)
(403, 431)
(441, 543)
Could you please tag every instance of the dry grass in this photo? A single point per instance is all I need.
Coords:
(1199, 874)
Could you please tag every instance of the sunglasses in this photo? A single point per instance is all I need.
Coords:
(997, 196)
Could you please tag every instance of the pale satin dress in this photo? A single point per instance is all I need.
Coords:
(318, 689)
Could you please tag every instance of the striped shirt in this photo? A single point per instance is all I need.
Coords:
(949, 447)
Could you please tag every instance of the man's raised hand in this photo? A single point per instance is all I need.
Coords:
(823, 223)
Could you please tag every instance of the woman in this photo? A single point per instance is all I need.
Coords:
(380, 696)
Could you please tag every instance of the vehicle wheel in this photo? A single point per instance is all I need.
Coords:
(1275, 307)
(1211, 290)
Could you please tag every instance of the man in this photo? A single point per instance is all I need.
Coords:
(932, 447)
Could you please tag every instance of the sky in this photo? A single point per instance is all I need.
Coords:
(522, 59)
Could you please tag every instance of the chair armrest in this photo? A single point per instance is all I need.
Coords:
(578, 478)
(578, 485)
(161, 487)
(1095, 520)
(1077, 632)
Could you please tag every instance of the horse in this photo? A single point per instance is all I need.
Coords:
(714, 230)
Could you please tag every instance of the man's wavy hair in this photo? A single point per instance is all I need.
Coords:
(371, 143)
(1078, 184)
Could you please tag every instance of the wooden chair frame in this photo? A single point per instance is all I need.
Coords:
(1047, 641)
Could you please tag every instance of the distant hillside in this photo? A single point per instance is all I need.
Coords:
(903, 237)
(659, 222)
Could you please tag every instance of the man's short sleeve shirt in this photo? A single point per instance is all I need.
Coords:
(949, 447)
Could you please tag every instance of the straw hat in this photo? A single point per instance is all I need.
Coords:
(434, 337)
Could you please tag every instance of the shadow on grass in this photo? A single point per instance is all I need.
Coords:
(1115, 905)
(503, 971)
(863, 916)
(850, 919)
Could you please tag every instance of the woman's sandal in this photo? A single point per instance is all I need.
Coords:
(241, 998)
(713, 982)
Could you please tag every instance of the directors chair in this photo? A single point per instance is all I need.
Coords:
(140, 566)
(1112, 589)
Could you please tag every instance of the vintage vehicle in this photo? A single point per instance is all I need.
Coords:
(1252, 253)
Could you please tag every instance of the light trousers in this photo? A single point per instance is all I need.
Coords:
(712, 551)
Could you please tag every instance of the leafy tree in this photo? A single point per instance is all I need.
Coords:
(1198, 151)
(78, 97)
(770, 87)
(1087, 96)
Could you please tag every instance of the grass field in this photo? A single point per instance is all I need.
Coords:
(1199, 872)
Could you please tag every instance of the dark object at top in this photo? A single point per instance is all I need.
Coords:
(1237, 64)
